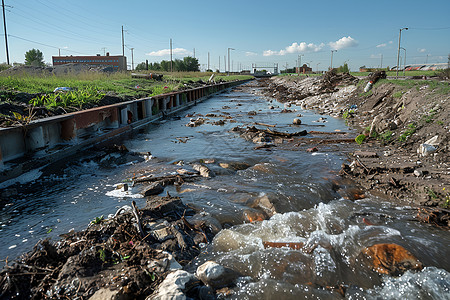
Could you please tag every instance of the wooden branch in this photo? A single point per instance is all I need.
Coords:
(138, 220)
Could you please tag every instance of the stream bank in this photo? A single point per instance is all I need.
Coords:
(405, 131)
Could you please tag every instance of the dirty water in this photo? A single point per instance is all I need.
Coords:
(300, 186)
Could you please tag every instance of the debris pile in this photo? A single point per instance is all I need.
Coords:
(323, 93)
(128, 254)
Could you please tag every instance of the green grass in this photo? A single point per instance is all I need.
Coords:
(410, 131)
(386, 136)
(90, 87)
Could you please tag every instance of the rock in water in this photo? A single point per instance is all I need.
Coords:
(154, 189)
(204, 170)
(215, 275)
(391, 259)
(297, 121)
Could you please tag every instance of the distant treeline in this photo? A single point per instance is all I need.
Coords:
(187, 64)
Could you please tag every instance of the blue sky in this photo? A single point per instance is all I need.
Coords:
(261, 32)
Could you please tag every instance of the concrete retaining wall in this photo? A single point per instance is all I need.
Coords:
(47, 140)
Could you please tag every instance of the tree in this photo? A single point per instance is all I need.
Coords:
(34, 57)
(141, 66)
(191, 64)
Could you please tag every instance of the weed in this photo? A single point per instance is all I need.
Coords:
(446, 203)
(98, 220)
(102, 255)
(360, 139)
(387, 136)
(398, 94)
(440, 122)
(428, 118)
(431, 194)
(411, 129)
(348, 114)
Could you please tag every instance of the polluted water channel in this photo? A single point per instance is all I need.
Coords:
(283, 219)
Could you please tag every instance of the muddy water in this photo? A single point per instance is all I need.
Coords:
(298, 184)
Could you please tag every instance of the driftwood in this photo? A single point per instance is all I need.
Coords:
(138, 219)
(263, 124)
(164, 179)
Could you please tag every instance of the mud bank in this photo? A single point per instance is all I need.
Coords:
(405, 131)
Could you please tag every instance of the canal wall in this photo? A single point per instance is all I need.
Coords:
(47, 140)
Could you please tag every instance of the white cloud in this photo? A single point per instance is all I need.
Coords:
(381, 45)
(375, 56)
(303, 47)
(295, 48)
(391, 42)
(271, 53)
(248, 53)
(345, 42)
(423, 50)
(163, 52)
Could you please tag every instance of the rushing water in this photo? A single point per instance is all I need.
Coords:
(298, 183)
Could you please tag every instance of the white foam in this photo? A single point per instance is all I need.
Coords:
(119, 193)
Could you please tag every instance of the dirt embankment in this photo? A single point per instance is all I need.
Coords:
(404, 155)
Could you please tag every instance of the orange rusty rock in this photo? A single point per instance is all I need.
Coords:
(295, 246)
(391, 259)
(253, 216)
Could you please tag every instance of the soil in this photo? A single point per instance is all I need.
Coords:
(387, 163)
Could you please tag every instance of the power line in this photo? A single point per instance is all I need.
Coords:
(24, 39)
(430, 28)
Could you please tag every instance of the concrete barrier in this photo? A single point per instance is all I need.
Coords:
(47, 140)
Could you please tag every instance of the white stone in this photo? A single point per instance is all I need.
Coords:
(172, 287)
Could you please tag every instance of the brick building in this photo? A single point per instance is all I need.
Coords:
(304, 69)
(118, 63)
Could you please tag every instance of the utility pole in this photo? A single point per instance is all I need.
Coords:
(225, 63)
(6, 35)
(299, 62)
(219, 63)
(123, 43)
(132, 59)
(208, 60)
(229, 60)
(194, 52)
(398, 51)
(171, 61)
(381, 63)
(331, 68)
(59, 51)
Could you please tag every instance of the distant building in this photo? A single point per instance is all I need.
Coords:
(117, 63)
(304, 69)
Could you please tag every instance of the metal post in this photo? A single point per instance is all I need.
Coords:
(229, 60)
(123, 43)
(171, 62)
(398, 51)
(6, 35)
(132, 59)
(317, 67)
(331, 68)
(404, 61)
